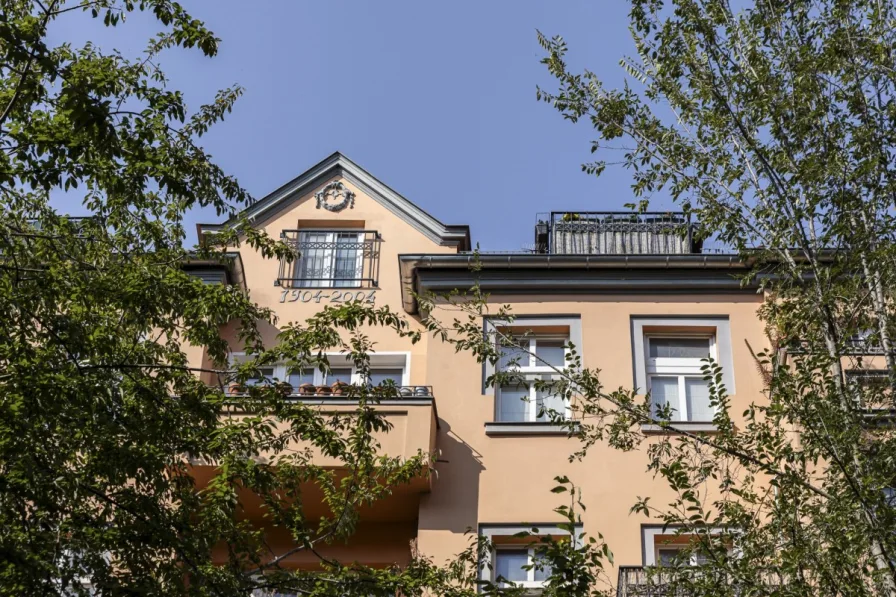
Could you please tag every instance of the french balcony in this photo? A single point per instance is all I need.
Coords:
(638, 581)
(331, 258)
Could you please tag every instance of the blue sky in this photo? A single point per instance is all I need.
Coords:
(437, 100)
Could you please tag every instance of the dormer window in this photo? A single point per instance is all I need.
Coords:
(341, 258)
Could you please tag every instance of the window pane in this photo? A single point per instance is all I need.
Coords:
(298, 377)
(347, 260)
(313, 263)
(509, 564)
(343, 374)
(514, 356)
(679, 348)
(542, 575)
(550, 402)
(890, 496)
(667, 556)
(700, 558)
(663, 391)
(697, 391)
(267, 373)
(551, 352)
(379, 376)
(513, 403)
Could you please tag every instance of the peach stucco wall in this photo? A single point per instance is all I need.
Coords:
(484, 480)
(481, 479)
(398, 237)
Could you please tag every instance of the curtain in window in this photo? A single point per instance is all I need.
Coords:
(663, 391)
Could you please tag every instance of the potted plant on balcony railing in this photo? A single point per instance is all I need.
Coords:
(339, 388)
(284, 388)
(307, 389)
(237, 388)
(323, 390)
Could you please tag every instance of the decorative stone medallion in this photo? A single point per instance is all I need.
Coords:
(335, 197)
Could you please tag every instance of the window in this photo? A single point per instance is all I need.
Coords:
(384, 376)
(674, 555)
(530, 359)
(510, 567)
(871, 391)
(666, 547)
(383, 366)
(675, 377)
(513, 548)
(266, 376)
(330, 259)
(670, 368)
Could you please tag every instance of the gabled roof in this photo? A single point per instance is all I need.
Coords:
(339, 165)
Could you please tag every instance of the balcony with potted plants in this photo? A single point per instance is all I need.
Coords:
(410, 411)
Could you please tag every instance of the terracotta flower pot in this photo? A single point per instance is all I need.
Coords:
(323, 390)
(339, 388)
(285, 388)
(236, 389)
(307, 389)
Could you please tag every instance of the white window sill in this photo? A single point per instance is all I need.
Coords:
(499, 429)
(690, 426)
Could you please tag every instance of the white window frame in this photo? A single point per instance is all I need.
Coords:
(501, 535)
(651, 546)
(693, 559)
(378, 360)
(330, 236)
(683, 369)
(533, 371)
(530, 582)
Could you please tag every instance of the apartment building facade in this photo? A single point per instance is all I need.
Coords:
(636, 295)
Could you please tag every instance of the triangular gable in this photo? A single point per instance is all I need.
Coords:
(339, 165)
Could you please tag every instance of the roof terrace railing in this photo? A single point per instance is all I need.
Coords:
(616, 233)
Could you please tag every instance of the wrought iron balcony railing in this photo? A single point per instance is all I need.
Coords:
(638, 581)
(337, 258)
(345, 391)
(616, 233)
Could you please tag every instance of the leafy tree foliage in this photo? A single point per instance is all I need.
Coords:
(773, 123)
(101, 416)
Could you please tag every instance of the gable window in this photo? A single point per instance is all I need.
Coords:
(675, 378)
(528, 360)
(331, 259)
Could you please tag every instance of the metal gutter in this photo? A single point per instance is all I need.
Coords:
(433, 272)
